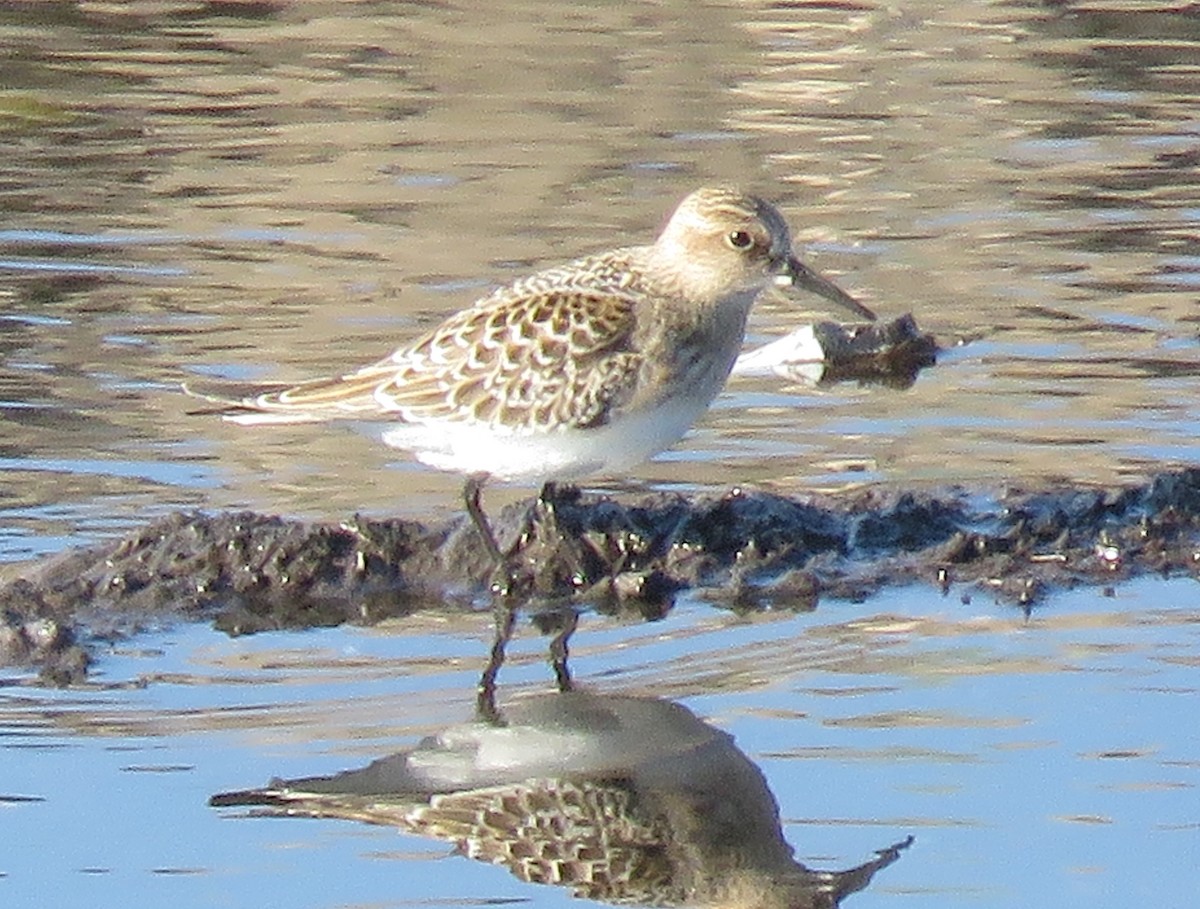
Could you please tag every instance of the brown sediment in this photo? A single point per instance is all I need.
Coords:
(744, 550)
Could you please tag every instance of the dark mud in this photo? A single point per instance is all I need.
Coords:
(744, 550)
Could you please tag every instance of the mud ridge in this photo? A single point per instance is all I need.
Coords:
(744, 550)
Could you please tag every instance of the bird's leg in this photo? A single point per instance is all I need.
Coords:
(485, 695)
(544, 508)
(566, 546)
(559, 652)
(503, 578)
(504, 608)
(471, 492)
(548, 499)
(544, 505)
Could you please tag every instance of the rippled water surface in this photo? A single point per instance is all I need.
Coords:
(279, 190)
(1053, 761)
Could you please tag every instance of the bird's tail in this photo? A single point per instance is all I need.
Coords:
(240, 404)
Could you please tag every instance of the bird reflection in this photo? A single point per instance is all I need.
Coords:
(622, 799)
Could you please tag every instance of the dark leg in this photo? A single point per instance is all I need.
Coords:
(559, 652)
(471, 492)
(504, 612)
(566, 546)
(548, 500)
(485, 694)
(503, 580)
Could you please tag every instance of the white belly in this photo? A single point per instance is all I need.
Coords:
(557, 455)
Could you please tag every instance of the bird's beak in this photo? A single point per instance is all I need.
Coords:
(794, 273)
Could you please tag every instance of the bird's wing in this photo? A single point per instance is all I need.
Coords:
(556, 357)
(545, 352)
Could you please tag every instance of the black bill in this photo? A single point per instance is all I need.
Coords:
(798, 275)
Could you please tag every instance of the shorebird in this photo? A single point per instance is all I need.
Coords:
(625, 800)
(586, 368)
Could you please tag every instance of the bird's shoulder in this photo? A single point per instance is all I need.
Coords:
(617, 271)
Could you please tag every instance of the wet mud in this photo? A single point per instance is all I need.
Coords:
(743, 550)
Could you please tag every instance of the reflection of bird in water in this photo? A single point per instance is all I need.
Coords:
(622, 799)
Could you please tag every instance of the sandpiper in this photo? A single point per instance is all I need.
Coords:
(586, 368)
(623, 800)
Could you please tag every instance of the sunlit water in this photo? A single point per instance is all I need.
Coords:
(1045, 761)
(281, 190)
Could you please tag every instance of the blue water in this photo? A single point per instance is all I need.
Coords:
(278, 191)
(1048, 760)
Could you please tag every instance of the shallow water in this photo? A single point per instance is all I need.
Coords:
(278, 191)
(281, 190)
(1053, 760)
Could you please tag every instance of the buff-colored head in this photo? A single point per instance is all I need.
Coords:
(721, 242)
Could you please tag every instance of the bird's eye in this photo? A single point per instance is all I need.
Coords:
(740, 239)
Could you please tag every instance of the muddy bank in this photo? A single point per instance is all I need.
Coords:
(743, 550)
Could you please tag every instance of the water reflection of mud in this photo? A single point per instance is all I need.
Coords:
(621, 799)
